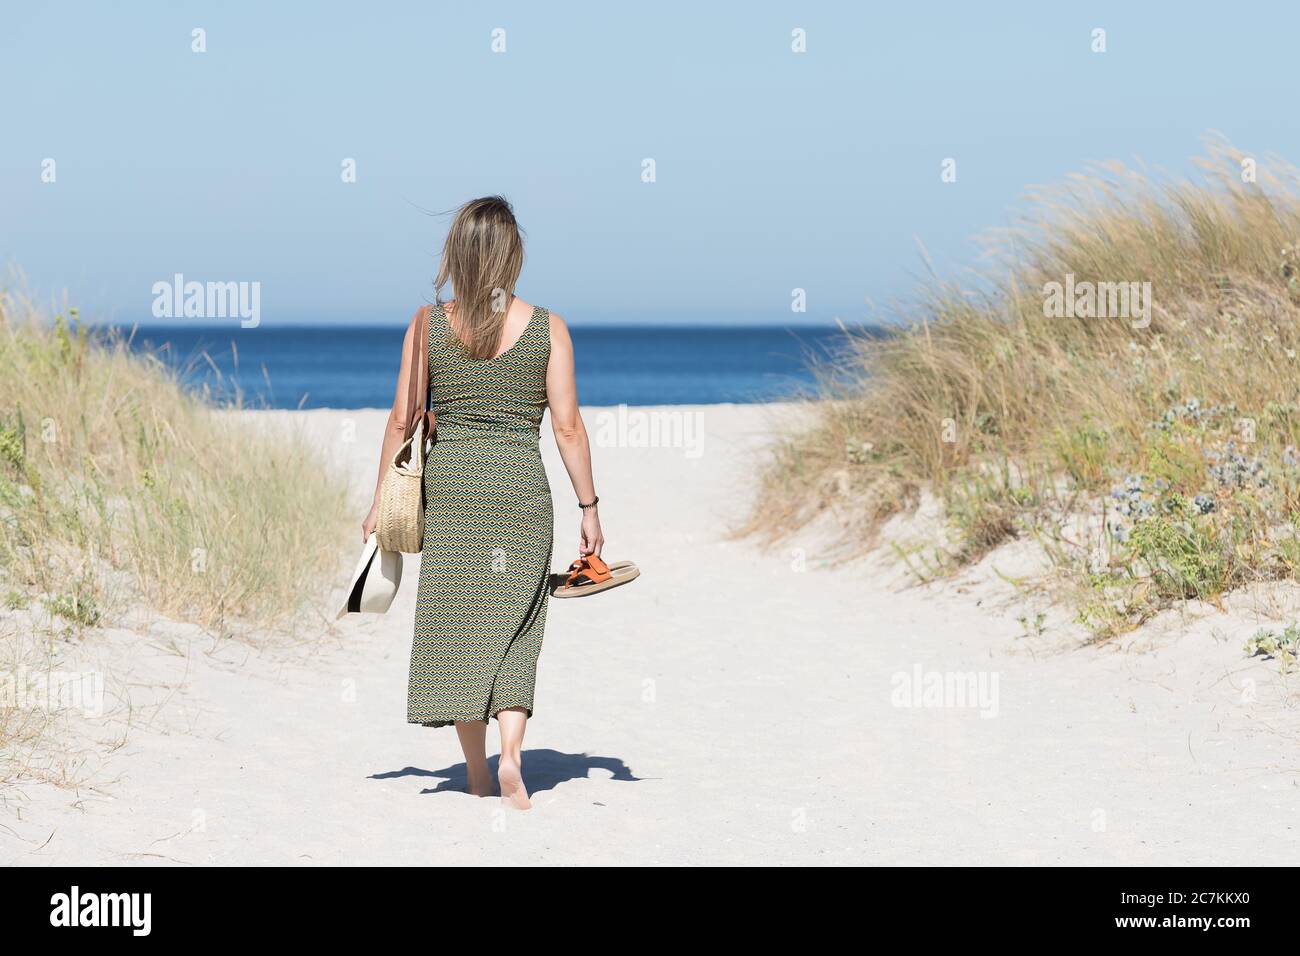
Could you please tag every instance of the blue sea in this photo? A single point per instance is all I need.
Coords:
(356, 366)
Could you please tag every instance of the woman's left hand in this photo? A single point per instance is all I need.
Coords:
(369, 522)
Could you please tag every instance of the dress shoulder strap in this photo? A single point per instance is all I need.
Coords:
(542, 320)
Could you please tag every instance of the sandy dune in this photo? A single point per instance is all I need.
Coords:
(732, 706)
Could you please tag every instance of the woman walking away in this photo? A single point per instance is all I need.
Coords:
(495, 362)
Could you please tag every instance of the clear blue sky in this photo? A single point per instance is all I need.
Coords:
(774, 170)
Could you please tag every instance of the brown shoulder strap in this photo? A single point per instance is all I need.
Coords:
(417, 388)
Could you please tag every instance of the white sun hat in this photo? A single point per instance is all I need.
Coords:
(374, 582)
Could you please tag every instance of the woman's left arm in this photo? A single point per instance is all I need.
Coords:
(571, 434)
(395, 430)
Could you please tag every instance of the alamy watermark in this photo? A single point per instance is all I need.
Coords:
(1098, 300)
(651, 428)
(179, 299)
(53, 691)
(129, 910)
(946, 689)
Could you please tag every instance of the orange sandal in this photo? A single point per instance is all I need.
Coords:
(591, 575)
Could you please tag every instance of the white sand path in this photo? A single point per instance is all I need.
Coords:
(726, 708)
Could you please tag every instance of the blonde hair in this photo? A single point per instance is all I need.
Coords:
(483, 256)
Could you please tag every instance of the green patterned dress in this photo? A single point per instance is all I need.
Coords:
(481, 606)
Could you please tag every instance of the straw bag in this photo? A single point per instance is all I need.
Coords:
(400, 525)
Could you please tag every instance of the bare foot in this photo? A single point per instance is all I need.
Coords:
(513, 792)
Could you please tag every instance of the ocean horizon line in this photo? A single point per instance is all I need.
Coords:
(233, 325)
(334, 366)
(584, 406)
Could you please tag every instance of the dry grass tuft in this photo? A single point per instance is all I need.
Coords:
(1179, 435)
(117, 488)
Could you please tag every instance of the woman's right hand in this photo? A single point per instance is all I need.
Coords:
(590, 538)
(368, 525)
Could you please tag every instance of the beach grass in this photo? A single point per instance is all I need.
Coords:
(122, 494)
(119, 489)
(1154, 455)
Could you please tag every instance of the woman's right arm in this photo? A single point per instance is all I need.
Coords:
(395, 430)
(571, 434)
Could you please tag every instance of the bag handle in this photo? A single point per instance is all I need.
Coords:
(418, 379)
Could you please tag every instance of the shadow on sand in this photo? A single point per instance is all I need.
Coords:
(543, 770)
